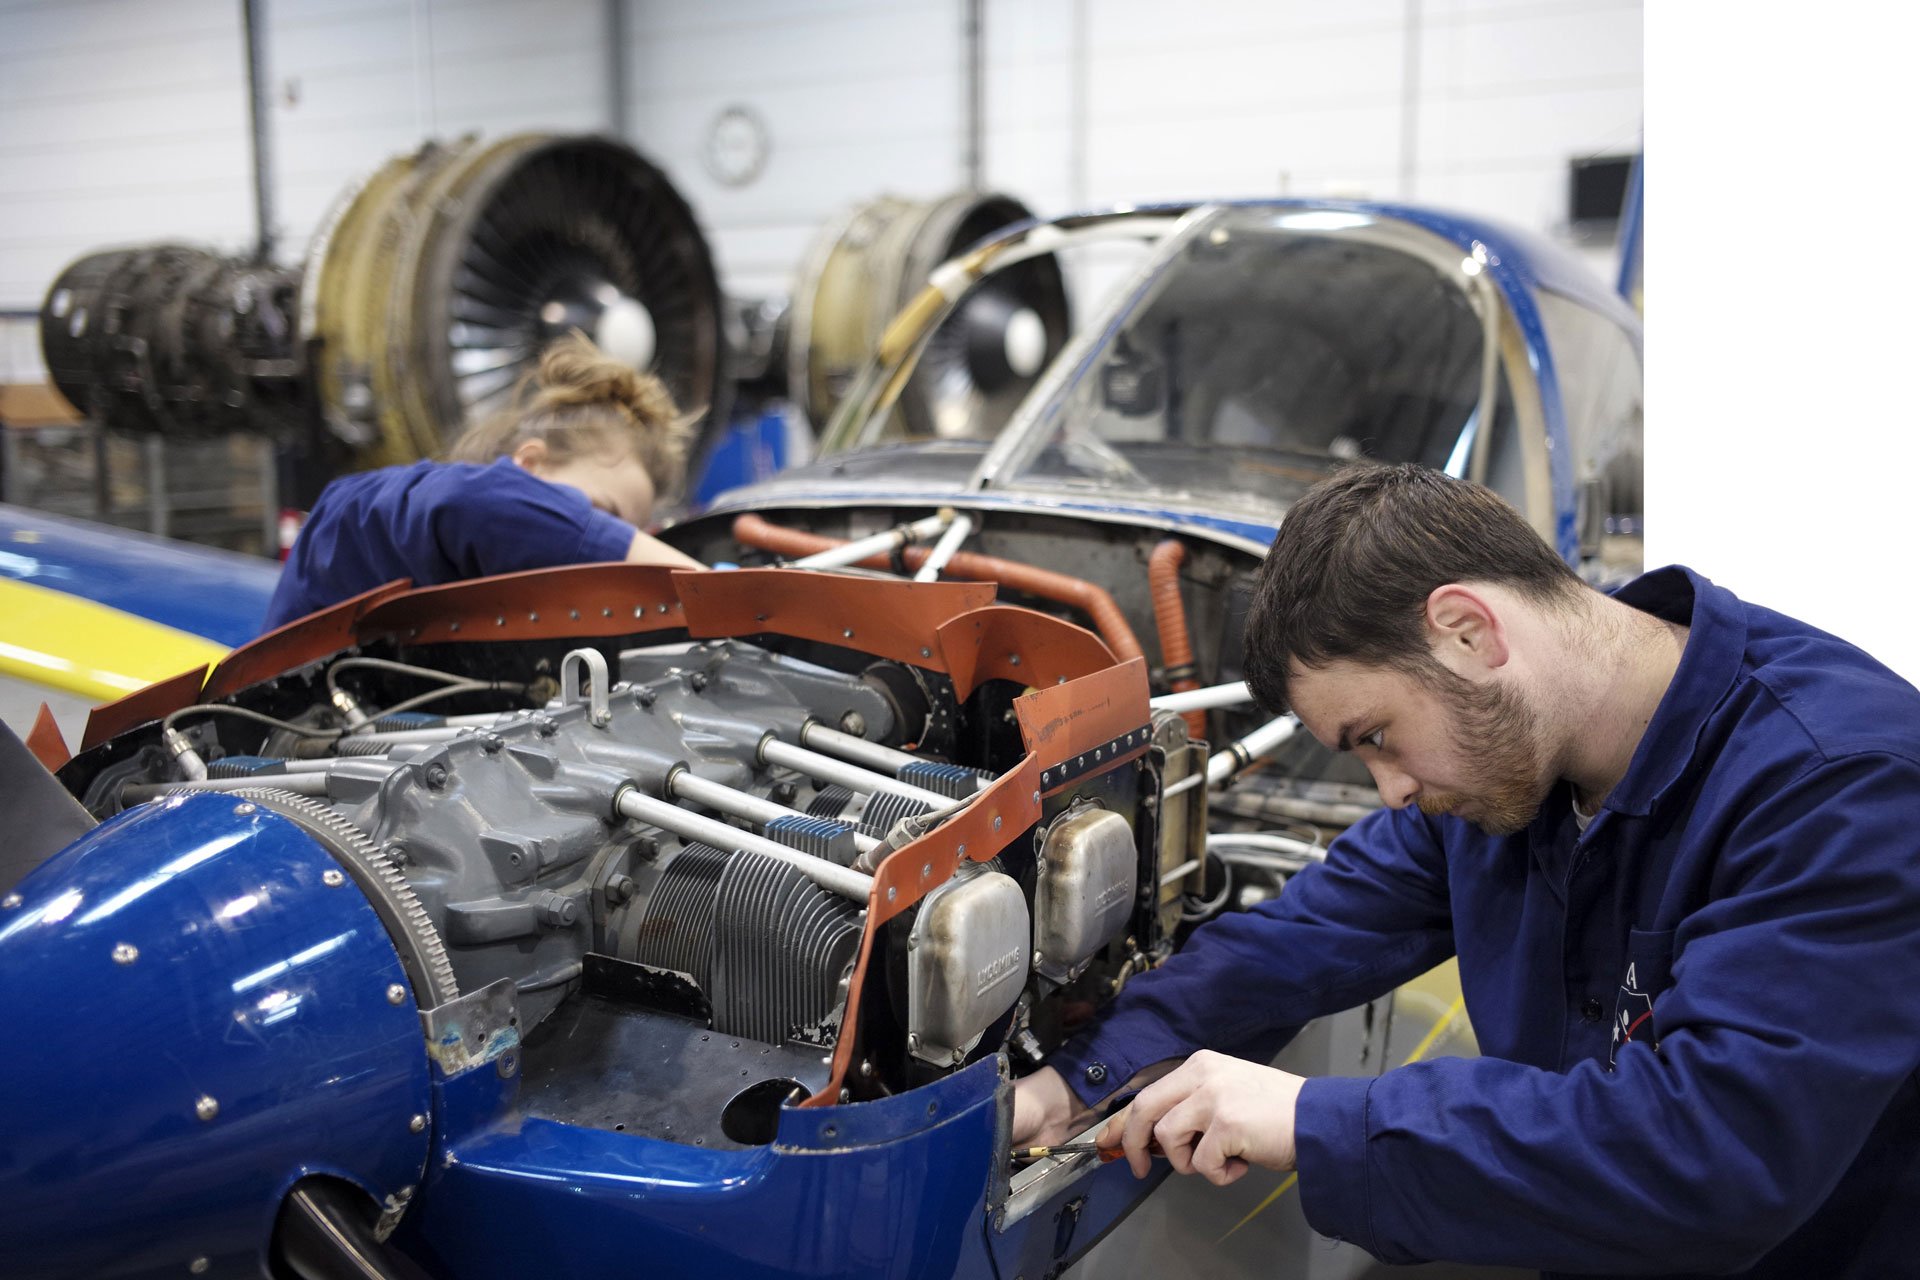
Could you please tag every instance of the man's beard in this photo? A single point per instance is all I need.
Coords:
(1499, 738)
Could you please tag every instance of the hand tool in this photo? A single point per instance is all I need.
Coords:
(1106, 1154)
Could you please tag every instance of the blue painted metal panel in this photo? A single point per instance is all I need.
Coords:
(1632, 222)
(889, 1188)
(892, 1188)
(221, 595)
(183, 951)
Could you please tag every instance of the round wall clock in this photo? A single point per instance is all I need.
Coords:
(737, 146)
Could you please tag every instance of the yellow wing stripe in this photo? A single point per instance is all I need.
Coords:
(1419, 1051)
(51, 638)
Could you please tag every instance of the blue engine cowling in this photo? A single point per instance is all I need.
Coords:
(201, 1010)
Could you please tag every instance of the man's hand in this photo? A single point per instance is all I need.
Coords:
(1214, 1116)
(1045, 1111)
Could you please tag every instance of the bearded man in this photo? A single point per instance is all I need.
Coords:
(1673, 839)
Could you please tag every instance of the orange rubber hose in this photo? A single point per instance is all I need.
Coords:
(1094, 601)
(1170, 619)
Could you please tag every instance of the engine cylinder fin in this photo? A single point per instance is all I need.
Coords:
(953, 780)
(887, 808)
(244, 766)
(422, 953)
(402, 720)
(677, 933)
(831, 801)
(821, 837)
(781, 944)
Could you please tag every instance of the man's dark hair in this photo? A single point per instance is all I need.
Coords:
(1356, 558)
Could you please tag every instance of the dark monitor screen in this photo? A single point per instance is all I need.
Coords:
(1597, 189)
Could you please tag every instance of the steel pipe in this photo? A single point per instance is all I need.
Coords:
(394, 737)
(301, 784)
(859, 750)
(691, 826)
(688, 785)
(826, 769)
(1217, 695)
(1250, 748)
(884, 543)
(958, 532)
(1091, 598)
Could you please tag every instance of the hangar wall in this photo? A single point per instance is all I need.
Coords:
(122, 120)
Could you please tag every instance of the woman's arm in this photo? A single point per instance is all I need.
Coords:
(647, 549)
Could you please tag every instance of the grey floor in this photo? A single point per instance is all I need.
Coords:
(20, 704)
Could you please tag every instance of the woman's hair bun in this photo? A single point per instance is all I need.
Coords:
(575, 373)
(582, 400)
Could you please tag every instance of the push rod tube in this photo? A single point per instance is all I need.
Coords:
(687, 785)
(394, 737)
(871, 754)
(668, 816)
(879, 544)
(852, 777)
(322, 764)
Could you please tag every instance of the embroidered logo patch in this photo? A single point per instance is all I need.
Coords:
(1632, 1015)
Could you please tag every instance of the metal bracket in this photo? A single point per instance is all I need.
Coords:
(596, 664)
(1098, 760)
(472, 1031)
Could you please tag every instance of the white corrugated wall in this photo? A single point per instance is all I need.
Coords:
(126, 120)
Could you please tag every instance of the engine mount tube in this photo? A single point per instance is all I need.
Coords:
(882, 544)
(1214, 695)
(1250, 748)
(1094, 601)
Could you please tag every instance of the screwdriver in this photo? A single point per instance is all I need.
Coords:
(1106, 1154)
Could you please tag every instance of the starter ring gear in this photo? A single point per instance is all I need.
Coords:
(422, 954)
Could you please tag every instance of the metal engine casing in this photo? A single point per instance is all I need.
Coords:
(1088, 874)
(966, 962)
(506, 835)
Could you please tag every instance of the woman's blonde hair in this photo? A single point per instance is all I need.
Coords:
(583, 401)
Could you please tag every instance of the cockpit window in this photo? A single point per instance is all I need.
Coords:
(1266, 351)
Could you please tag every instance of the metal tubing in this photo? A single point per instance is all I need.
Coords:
(691, 826)
(259, 131)
(756, 531)
(1250, 748)
(322, 764)
(619, 94)
(1218, 695)
(1179, 873)
(301, 784)
(973, 148)
(958, 532)
(393, 737)
(859, 750)
(687, 785)
(826, 769)
(879, 544)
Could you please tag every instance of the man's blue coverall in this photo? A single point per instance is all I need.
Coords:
(1700, 1019)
